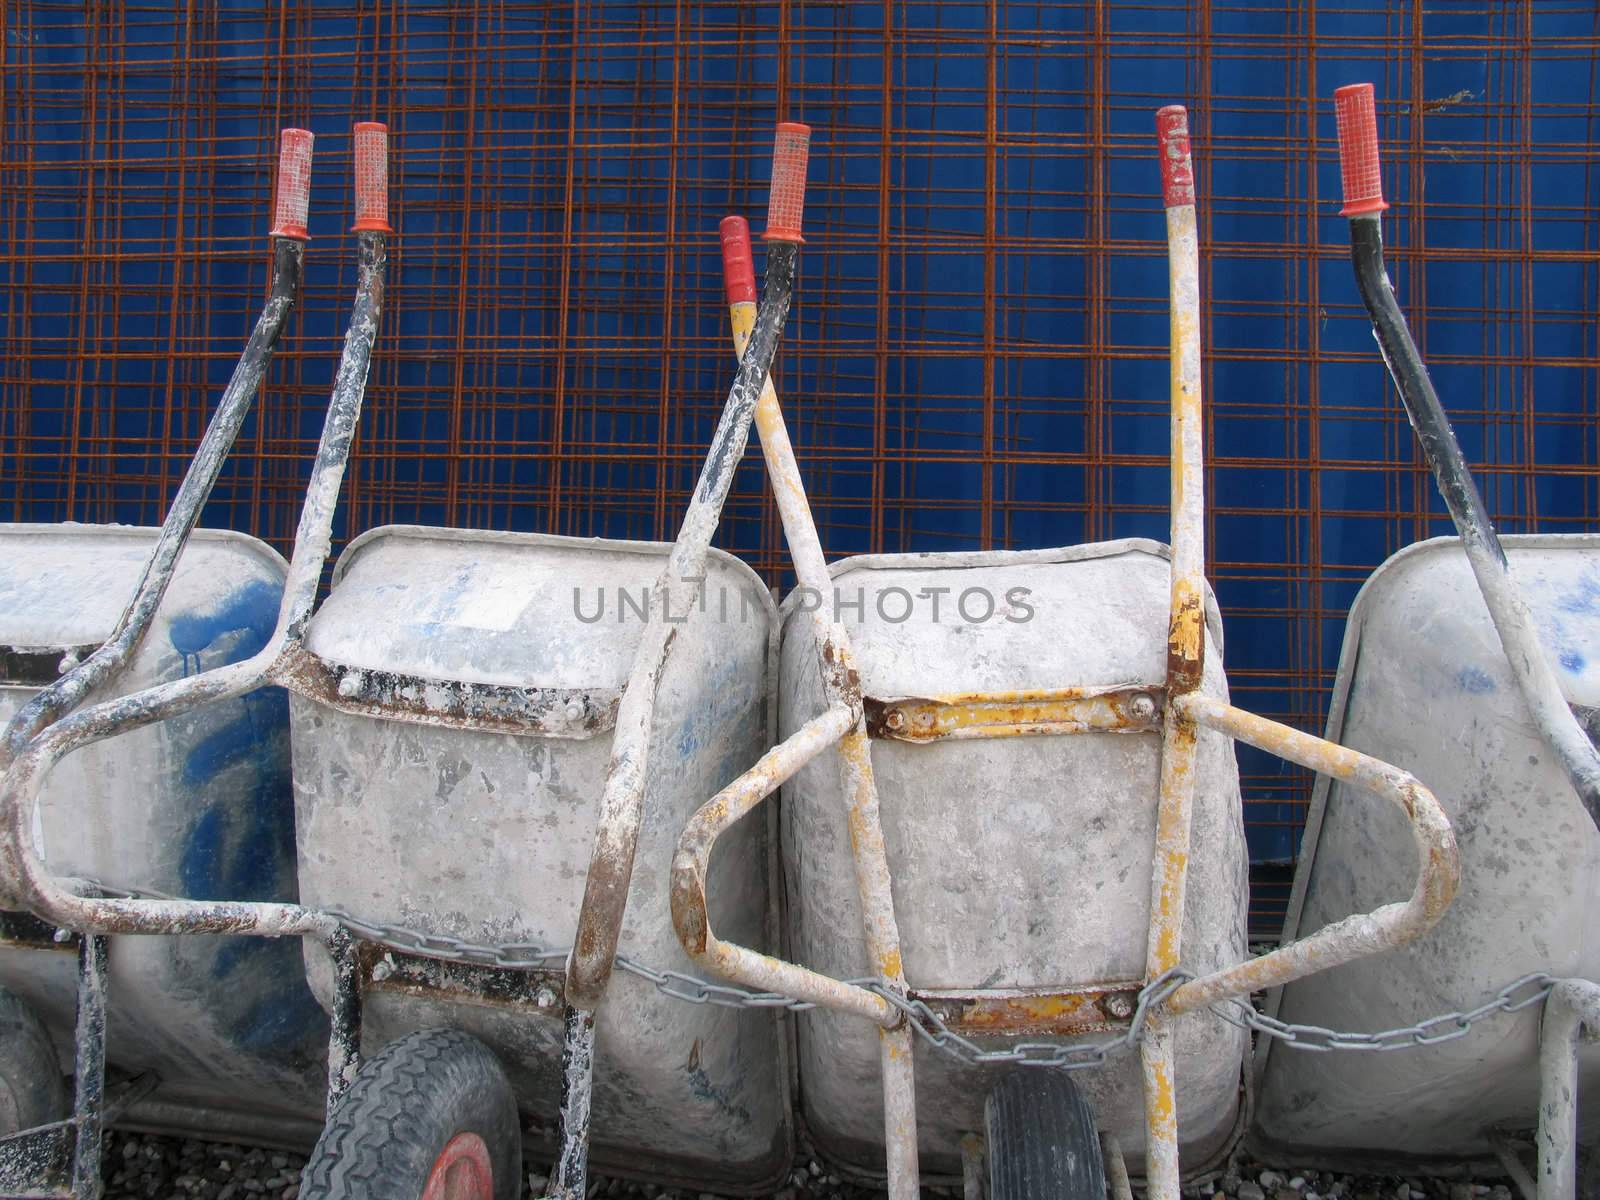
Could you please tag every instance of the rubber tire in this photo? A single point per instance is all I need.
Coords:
(1041, 1140)
(33, 1091)
(405, 1105)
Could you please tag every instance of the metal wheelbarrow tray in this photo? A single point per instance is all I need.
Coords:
(484, 835)
(1423, 680)
(1473, 662)
(198, 806)
(1021, 861)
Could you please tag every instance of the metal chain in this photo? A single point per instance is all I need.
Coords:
(511, 956)
(697, 991)
(1077, 1056)
(1446, 1027)
(930, 1027)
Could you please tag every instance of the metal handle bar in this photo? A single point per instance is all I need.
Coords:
(691, 915)
(842, 687)
(616, 839)
(1353, 937)
(1438, 871)
(1513, 621)
(112, 657)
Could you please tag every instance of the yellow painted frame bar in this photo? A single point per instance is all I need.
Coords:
(1185, 651)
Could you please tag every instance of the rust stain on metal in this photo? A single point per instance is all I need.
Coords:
(690, 920)
(1186, 640)
(532, 990)
(1052, 1013)
(1014, 714)
(447, 703)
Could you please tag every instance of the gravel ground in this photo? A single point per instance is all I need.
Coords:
(140, 1167)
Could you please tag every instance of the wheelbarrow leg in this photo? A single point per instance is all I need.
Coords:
(89, 1068)
(1571, 1014)
(571, 1177)
(344, 1042)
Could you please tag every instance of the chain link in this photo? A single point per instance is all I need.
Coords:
(510, 956)
(1446, 1027)
(930, 1027)
(698, 991)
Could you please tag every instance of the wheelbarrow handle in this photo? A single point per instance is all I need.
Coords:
(372, 177)
(1177, 165)
(786, 202)
(1513, 620)
(610, 868)
(292, 203)
(1360, 171)
(111, 658)
(738, 263)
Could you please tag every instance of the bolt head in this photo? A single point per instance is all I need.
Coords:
(350, 685)
(1120, 1006)
(574, 711)
(1142, 707)
(545, 997)
(894, 719)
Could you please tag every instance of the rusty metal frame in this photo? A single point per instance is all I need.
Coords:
(1015, 714)
(1180, 713)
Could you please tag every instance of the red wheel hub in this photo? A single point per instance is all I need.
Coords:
(462, 1171)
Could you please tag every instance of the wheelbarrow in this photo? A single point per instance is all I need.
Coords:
(990, 827)
(1475, 662)
(406, 672)
(224, 1028)
(205, 1032)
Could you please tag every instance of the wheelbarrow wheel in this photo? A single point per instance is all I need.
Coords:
(33, 1091)
(1042, 1140)
(430, 1117)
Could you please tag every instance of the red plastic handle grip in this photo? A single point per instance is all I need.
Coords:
(738, 264)
(1357, 118)
(787, 201)
(293, 200)
(1177, 168)
(372, 177)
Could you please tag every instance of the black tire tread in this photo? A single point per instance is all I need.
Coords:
(1041, 1140)
(29, 1068)
(406, 1102)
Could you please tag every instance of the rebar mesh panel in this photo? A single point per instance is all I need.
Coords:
(976, 358)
